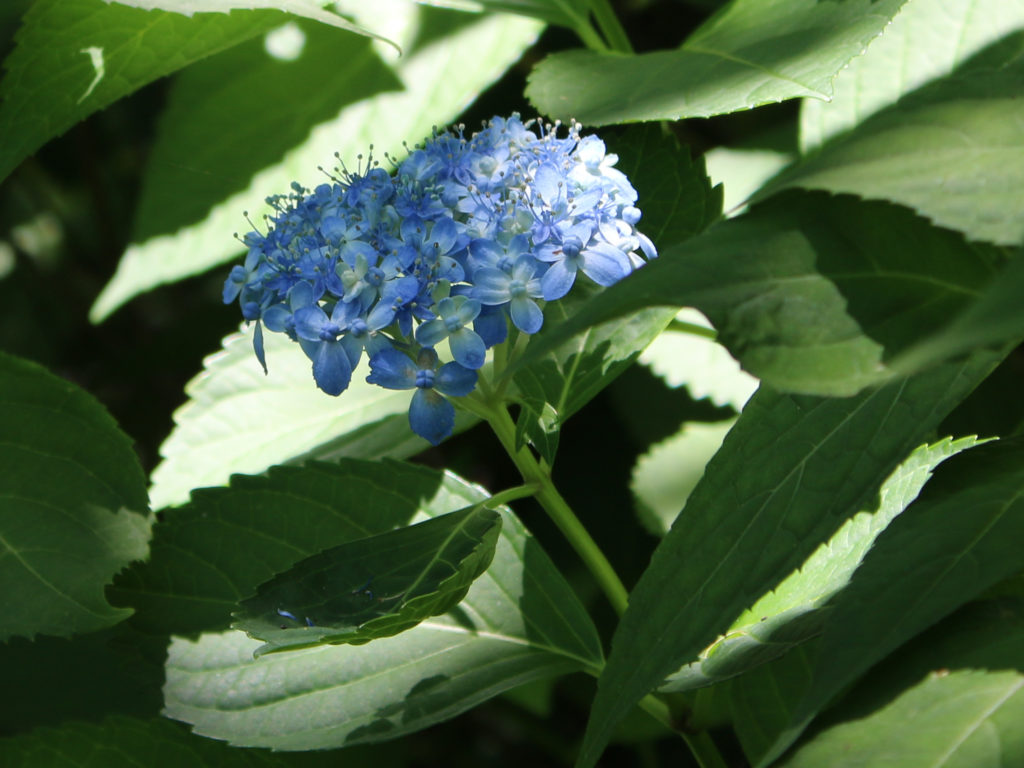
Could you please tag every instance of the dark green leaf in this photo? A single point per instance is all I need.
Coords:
(374, 587)
(72, 496)
(122, 742)
(85, 54)
(751, 53)
(567, 13)
(795, 610)
(216, 131)
(215, 551)
(519, 622)
(952, 150)
(961, 537)
(788, 474)
(815, 289)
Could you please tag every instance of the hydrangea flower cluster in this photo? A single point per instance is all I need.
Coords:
(464, 237)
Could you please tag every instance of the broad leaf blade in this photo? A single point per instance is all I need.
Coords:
(216, 131)
(751, 53)
(310, 9)
(84, 54)
(238, 420)
(794, 611)
(566, 13)
(924, 41)
(958, 540)
(788, 475)
(212, 553)
(73, 497)
(437, 85)
(374, 587)
(952, 150)
(816, 293)
(520, 621)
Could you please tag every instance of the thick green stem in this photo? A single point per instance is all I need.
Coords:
(534, 473)
(682, 326)
(610, 27)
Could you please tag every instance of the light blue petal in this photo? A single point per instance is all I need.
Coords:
(432, 332)
(309, 321)
(604, 264)
(257, 345)
(557, 281)
(468, 349)
(526, 315)
(431, 416)
(392, 369)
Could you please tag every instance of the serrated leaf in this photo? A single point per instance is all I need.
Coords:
(212, 553)
(952, 150)
(787, 476)
(663, 477)
(123, 742)
(961, 537)
(519, 622)
(216, 132)
(309, 9)
(567, 13)
(372, 588)
(699, 363)
(73, 497)
(238, 420)
(794, 611)
(816, 291)
(924, 41)
(437, 86)
(750, 53)
(85, 54)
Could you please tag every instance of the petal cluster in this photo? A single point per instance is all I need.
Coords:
(463, 238)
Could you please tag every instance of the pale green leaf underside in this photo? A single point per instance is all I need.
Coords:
(953, 151)
(741, 172)
(664, 476)
(700, 364)
(567, 13)
(961, 719)
(519, 622)
(238, 420)
(438, 85)
(753, 52)
(926, 40)
(83, 55)
(309, 9)
(72, 504)
(787, 615)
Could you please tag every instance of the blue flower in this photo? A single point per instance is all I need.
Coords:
(431, 416)
(453, 315)
(517, 288)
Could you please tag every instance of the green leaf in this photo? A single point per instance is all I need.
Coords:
(750, 53)
(519, 622)
(795, 610)
(664, 476)
(240, 420)
(437, 84)
(960, 538)
(567, 13)
(72, 492)
(741, 172)
(685, 358)
(85, 54)
(122, 742)
(788, 475)
(678, 201)
(216, 131)
(213, 552)
(310, 9)
(952, 151)
(372, 588)
(924, 41)
(816, 291)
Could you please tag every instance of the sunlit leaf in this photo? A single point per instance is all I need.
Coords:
(751, 53)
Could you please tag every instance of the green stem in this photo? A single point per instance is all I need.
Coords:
(700, 743)
(539, 475)
(610, 27)
(692, 328)
(511, 494)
